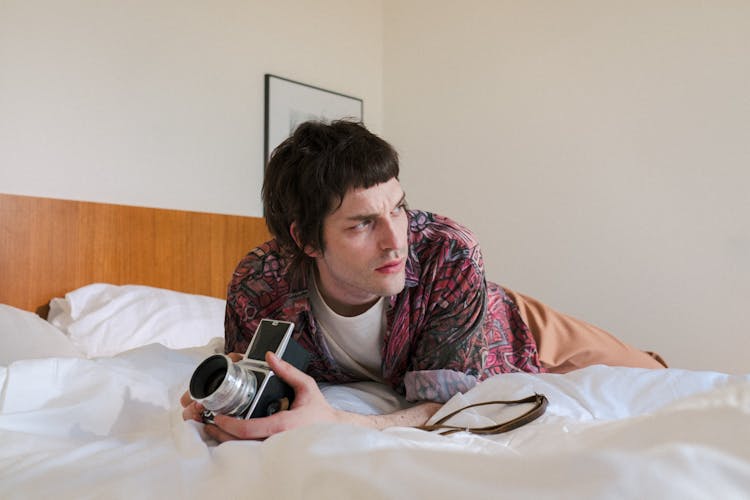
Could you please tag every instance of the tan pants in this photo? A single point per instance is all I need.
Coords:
(565, 343)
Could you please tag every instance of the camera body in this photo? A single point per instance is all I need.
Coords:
(249, 388)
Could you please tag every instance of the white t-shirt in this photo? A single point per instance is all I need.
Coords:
(354, 341)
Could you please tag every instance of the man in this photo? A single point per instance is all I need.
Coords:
(380, 292)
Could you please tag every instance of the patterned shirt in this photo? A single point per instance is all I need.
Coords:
(447, 329)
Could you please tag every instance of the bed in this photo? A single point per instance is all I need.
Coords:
(105, 311)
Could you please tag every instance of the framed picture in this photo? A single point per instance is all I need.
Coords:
(289, 103)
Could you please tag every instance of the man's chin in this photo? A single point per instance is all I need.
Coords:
(394, 286)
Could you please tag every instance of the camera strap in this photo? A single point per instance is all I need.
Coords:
(538, 400)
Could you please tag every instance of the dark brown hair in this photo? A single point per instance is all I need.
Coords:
(309, 174)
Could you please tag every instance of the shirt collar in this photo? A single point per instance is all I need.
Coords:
(412, 269)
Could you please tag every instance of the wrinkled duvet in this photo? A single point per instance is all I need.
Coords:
(112, 428)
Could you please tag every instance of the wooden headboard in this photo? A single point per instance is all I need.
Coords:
(49, 247)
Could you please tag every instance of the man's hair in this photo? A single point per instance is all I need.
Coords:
(309, 174)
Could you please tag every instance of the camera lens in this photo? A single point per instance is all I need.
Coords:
(223, 386)
(208, 377)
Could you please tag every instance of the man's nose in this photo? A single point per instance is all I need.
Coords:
(390, 236)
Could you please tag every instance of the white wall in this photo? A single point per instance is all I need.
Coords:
(160, 102)
(600, 150)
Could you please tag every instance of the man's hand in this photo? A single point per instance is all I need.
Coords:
(309, 407)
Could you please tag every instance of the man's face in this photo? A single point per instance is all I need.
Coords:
(365, 248)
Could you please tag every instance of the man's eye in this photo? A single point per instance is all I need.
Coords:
(362, 225)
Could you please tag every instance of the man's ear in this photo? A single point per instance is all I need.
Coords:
(310, 251)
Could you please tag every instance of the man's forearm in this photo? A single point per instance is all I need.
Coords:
(409, 417)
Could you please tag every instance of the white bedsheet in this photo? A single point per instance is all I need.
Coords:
(112, 428)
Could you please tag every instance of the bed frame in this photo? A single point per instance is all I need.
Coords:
(49, 247)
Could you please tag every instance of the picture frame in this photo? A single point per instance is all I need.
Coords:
(289, 103)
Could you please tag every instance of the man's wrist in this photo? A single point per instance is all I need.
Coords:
(409, 417)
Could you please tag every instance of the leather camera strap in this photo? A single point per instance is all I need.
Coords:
(539, 401)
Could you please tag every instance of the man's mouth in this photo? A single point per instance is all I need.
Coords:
(393, 266)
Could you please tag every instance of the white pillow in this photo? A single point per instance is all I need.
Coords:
(24, 335)
(104, 320)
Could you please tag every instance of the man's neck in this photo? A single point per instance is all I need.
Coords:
(340, 307)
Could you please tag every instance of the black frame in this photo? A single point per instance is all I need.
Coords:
(305, 101)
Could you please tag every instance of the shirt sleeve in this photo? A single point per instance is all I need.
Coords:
(436, 385)
(250, 286)
(231, 329)
(237, 334)
(451, 350)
